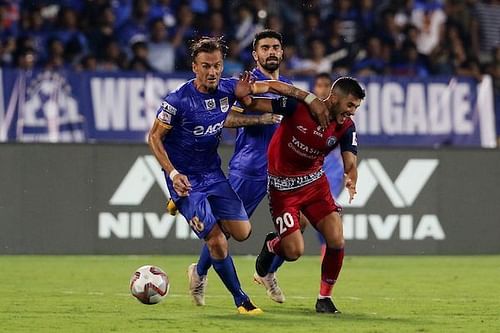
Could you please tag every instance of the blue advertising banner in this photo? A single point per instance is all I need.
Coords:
(72, 106)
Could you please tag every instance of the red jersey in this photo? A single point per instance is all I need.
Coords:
(299, 145)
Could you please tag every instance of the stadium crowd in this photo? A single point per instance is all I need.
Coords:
(417, 38)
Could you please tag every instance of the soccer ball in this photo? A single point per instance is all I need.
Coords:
(149, 284)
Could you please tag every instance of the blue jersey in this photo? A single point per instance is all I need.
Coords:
(196, 120)
(250, 152)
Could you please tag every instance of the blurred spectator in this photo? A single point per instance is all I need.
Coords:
(26, 59)
(373, 62)
(113, 59)
(140, 53)
(102, 31)
(55, 55)
(245, 29)
(312, 29)
(317, 61)
(184, 33)
(136, 24)
(486, 28)
(429, 19)
(339, 51)
(87, 63)
(163, 9)
(348, 16)
(411, 64)
(216, 27)
(161, 54)
(73, 40)
(232, 64)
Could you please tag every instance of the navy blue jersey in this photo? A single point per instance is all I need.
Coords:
(196, 120)
(250, 152)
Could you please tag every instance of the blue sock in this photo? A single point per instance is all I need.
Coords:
(204, 262)
(227, 273)
(277, 262)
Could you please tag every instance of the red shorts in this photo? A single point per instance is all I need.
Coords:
(314, 200)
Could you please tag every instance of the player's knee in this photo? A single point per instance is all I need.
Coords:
(293, 253)
(337, 243)
(242, 234)
(217, 246)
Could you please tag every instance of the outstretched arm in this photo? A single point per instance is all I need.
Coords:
(350, 173)
(318, 108)
(237, 119)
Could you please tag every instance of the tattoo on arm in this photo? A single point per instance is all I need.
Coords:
(235, 119)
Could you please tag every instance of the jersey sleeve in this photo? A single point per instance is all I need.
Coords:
(284, 105)
(349, 141)
(168, 112)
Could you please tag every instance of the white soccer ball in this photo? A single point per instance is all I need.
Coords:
(149, 284)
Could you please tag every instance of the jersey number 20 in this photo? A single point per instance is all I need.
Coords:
(284, 222)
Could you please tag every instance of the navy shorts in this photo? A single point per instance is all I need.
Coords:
(250, 191)
(211, 199)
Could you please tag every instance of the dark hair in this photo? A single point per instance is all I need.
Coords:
(267, 34)
(208, 45)
(322, 75)
(348, 85)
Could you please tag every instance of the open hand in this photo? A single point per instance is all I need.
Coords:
(351, 187)
(244, 86)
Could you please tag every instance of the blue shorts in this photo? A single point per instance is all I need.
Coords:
(250, 191)
(211, 199)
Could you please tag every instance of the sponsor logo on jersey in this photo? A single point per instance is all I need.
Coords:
(165, 117)
(303, 149)
(302, 129)
(209, 130)
(168, 108)
(319, 131)
(331, 141)
(224, 104)
(210, 104)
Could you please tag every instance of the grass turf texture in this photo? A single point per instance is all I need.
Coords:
(376, 294)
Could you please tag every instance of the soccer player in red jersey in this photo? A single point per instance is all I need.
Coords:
(298, 184)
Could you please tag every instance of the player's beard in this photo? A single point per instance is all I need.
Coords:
(271, 66)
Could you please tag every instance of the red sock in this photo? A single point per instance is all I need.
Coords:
(274, 245)
(330, 269)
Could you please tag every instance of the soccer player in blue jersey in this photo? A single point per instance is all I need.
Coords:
(248, 165)
(184, 139)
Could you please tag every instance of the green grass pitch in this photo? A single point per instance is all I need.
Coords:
(376, 294)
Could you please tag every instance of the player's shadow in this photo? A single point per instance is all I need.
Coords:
(290, 315)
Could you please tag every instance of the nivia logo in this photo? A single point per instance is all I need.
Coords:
(141, 177)
(402, 192)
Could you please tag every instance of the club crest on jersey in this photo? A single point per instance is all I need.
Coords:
(319, 131)
(210, 104)
(331, 141)
(224, 104)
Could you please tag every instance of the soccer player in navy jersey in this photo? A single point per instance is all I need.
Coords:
(248, 165)
(297, 182)
(184, 139)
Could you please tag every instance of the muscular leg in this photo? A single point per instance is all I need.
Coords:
(278, 260)
(223, 264)
(239, 230)
(331, 229)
